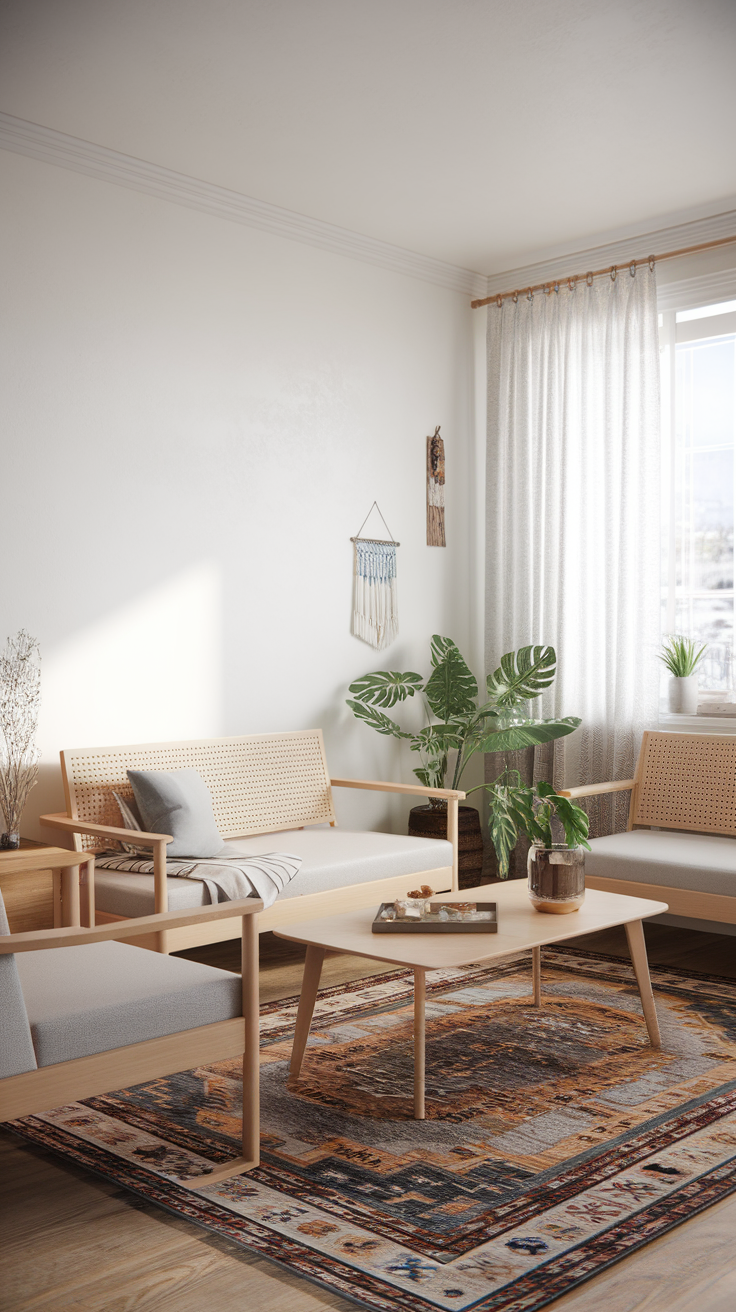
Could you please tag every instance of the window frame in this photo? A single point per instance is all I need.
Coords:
(694, 293)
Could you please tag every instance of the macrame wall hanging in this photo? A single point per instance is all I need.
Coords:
(435, 490)
(375, 599)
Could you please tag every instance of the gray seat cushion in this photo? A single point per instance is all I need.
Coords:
(100, 996)
(704, 862)
(121, 894)
(331, 858)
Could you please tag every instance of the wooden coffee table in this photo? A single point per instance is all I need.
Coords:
(519, 927)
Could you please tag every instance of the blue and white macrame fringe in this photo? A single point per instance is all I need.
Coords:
(375, 603)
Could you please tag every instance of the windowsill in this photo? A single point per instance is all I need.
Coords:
(697, 723)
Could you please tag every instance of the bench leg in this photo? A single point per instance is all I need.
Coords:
(251, 1134)
(638, 950)
(307, 999)
(56, 895)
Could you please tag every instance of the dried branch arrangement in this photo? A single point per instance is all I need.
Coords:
(20, 699)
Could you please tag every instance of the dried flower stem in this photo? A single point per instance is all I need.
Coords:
(20, 699)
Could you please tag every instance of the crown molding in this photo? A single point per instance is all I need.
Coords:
(638, 247)
(708, 289)
(80, 156)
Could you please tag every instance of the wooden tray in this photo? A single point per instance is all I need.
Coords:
(432, 926)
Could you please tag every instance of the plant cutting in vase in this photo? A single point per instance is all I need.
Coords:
(464, 727)
(20, 698)
(682, 657)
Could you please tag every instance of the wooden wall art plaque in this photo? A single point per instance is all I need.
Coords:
(436, 490)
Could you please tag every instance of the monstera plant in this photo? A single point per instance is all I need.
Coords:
(460, 724)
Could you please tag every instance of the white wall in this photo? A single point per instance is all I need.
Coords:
(197, 418)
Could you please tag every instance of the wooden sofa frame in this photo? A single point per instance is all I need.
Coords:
(686, 782)
(260, 784)
(86, 1077)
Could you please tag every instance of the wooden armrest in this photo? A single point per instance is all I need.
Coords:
(412, 790)
(591, 790)
(75, 935)
(59, 821)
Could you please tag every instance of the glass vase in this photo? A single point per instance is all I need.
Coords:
(556, 878)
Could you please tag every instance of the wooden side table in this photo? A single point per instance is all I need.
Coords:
(73, 878)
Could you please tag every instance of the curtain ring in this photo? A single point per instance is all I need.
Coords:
(530, 295)
(613, 273)
(572, 283)
(515, 298)
(547, 289)
(632, 268)
(589, 279)
(499, 302)
(651, 263)
(557, 287)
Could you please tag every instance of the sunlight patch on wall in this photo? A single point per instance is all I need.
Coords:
(150, 670)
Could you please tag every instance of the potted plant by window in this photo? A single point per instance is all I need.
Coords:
(682, 657)
(458, 727)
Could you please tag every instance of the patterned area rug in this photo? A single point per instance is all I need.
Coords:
(557, 1140)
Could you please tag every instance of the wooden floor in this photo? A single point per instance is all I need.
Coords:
(70, 1241)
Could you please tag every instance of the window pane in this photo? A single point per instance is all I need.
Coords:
(705, 392)
(711, 519)
(700, 558)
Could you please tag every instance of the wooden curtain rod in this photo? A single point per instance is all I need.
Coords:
(612, 270)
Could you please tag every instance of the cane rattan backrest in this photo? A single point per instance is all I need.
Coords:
(686, 781)
(259, 784)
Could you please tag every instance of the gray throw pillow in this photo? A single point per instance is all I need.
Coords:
(177, 802)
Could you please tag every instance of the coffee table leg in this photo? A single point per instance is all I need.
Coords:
(638, 950)
(307, 999)
(537, 976)
(420, 993)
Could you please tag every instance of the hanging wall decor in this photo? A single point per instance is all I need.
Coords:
(375, 600)
(436, 490)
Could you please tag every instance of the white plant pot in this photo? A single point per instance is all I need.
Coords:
(683, 695)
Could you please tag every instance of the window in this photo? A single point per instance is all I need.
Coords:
(699, 429)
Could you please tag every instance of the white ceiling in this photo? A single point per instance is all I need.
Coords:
(487, 133)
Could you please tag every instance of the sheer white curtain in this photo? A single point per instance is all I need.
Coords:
(573, 498)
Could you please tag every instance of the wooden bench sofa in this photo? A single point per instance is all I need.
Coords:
(271, 792)
(681, 835)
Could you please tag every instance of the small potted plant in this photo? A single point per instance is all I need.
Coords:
(682, 657)
(556, 870)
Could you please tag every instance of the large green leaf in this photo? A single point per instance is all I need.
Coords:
(377, 720)
(432, 776)
(386, 687)
(437, 739)
(528, 733)
(451, 688)
(522, 675)
(503, 826)
(573, 818)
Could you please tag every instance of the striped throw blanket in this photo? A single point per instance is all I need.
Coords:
(227, 878)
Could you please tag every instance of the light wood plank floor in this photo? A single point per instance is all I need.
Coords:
(71, 1241)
